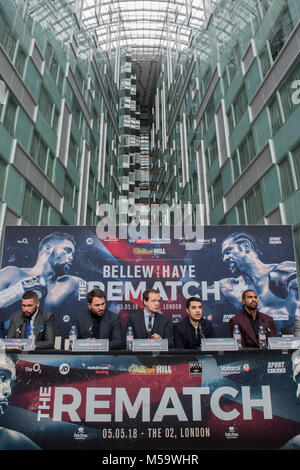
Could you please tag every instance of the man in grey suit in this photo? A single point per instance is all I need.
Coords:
(149, 323)
(98, 322)
(32, 315)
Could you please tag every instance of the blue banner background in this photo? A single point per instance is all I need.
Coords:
(118, 266)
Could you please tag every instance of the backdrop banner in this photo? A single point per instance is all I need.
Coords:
(216, 263)
(234, 400)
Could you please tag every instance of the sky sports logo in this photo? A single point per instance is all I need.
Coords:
(276, 367)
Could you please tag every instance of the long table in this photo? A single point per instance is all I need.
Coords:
(176, 400)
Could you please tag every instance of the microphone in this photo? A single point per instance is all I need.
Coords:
(267, 329)
(91, 329)
(149, 326)
(198, 330)
(94, 329)
(19, 330)
(201, 332)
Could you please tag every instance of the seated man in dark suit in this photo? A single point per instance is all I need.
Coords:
(149, 323)
(189, 331)
(98, 322)
(32, 315)
(249, 319)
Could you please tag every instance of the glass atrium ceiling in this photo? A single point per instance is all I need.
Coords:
(144, 28)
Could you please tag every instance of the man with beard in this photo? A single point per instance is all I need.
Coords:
(33, 316)
(9, 439)
(99, 322)
(250, 319)
(48, 277)
(275, 284)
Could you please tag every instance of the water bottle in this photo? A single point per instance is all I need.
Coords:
(262, 338)
(72, 337)
(32, 336)
(237, 336)
(129, 338)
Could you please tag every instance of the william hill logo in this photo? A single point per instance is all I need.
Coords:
(142, 251)
(136, 369)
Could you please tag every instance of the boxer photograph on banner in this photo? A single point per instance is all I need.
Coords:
(9, 439)
(48, 277)
(294, 443)
(275, 283)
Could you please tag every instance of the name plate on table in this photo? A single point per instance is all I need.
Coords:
(284, 343)
(219, 344)
(26, 344)
(150, 345)
(90, 345)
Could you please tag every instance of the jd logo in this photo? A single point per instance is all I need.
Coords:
(64, 368)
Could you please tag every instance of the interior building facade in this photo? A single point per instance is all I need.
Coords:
(135, 103)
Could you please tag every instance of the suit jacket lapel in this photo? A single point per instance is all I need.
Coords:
(104, 333)
(156, 324)
(189, 331)
(141, 325)
(190, 334)
(23, 326)
(38, 322)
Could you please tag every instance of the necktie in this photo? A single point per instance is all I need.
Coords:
(149, 325)
(95, 328)
(28, 328)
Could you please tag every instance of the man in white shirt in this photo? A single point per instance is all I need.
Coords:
(150, 323)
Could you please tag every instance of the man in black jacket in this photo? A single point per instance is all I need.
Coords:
(98, 322)
(189, 331)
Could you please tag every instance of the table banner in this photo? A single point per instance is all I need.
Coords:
(234, 400)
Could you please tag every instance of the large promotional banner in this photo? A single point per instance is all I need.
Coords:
(63, 263)
(130, 402)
